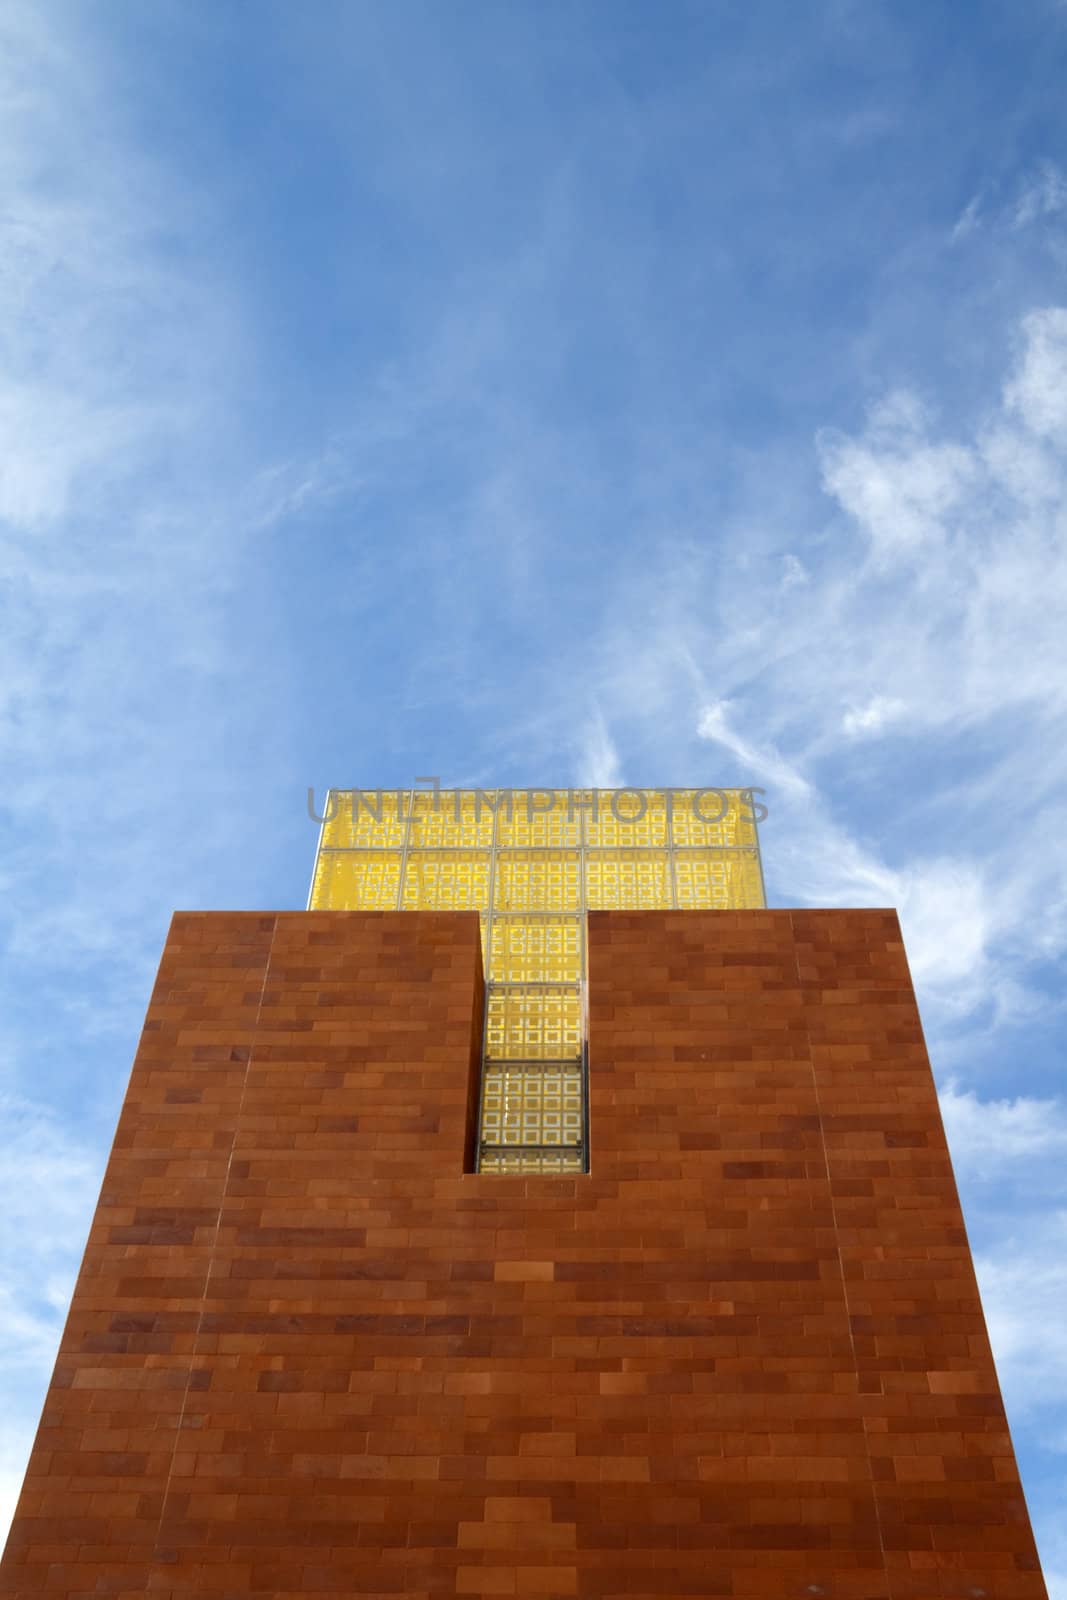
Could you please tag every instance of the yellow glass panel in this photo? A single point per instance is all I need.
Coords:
(624, 817)
(533, 1024)
(367, 819)
(456, 819)
(536, 1163)
(746, 881)
(357, 880)
(446, 880)
(705, 879)
(534, 821)
(533, 880)
(535, 949)
(707, 818)
(637, 880)
(721, 881)
(530, 1105)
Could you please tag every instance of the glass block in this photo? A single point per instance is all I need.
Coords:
(532, 822)
(746, 880)
(537, 880)
(704, 879)
(356, 881)
(527, 1105)
(365, 819)
(520, 1163)
(533, 1024)
(690, 808)
(638, 880)
(456, 819)
(629, 818)
(535, 949)
(447, 880)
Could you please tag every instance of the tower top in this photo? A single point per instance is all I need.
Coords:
(539, 851)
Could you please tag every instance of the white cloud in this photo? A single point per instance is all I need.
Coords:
(598, 759)
(794, 572)
(948, 922)
(15, 1444)
(1038, 391)
(969, 219)
(1042, 196)
(987, 1135)
(48, 1186)
(764, 762)
(898, 485)
(870, 719)
(945, 907)
(1024, 1292)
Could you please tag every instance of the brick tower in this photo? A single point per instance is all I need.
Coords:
(536, 1214)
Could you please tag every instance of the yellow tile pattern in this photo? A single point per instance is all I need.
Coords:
(525, 1023)
(547, 880)
(526, 1105)
(446, 880)
(637, 880)
(529, 948)
(531, 1163)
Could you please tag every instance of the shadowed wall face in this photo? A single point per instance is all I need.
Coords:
(744, 1356)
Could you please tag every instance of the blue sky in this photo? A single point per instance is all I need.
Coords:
(555, 392)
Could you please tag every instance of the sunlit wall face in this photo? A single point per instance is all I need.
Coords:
(531, 863)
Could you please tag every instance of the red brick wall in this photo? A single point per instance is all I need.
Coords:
(308, 1356)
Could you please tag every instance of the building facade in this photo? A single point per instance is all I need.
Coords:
(537, 1214)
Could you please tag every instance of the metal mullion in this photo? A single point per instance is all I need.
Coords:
(537, 849)
(488, 986)
(451, 850)
(530, 1149)
(522, 849)
(481, 1081)
(583, 977)
(567, 914)
(360, 849)
(491, 894)
(759, 853)
(598, 850)
(404, 849)
(318, 848)
(536, 983)
(526, 1062)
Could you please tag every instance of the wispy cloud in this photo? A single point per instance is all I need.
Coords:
(866, 721)
(1039, 195)
(1024, 1290)
(794, 572)
(1037, 392)
(897, 483)
(48, 1183)
(986, 1135)
(1043, 195)
(969, 218)
(598, 760)
(765, 762)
